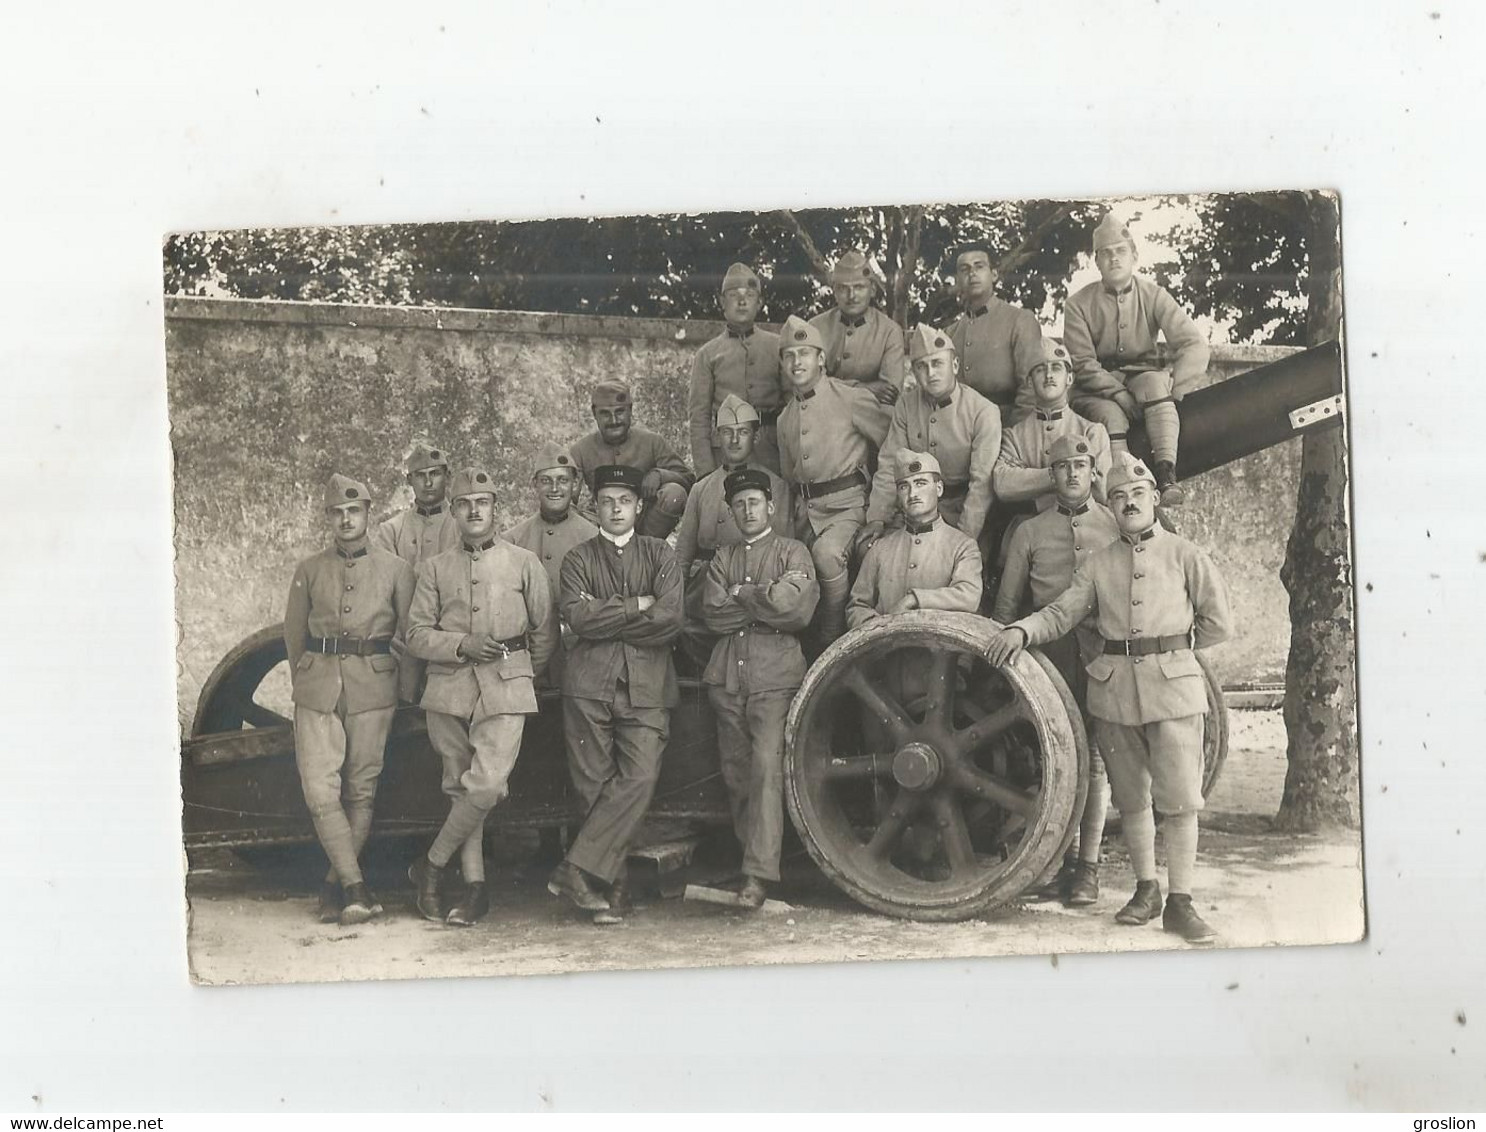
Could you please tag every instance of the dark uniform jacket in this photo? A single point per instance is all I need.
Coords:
(1152, 585)
(745, 365)
(615, 640)
(758, 650)
(365, 595)
(940, 566)
(501, 591)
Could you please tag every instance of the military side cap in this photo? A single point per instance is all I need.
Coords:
(747, 479)
(910, 463)
(926, 340)
(611, 395)
(1112, 230)
(553, 456)
(1126, 472)
(735, 411)
(343, 489)
(426, 456)
(797, 332)
(472, 481)
(740, 275)
(1068, 448)
(853, 267)
(1055, 351)
(617, 475)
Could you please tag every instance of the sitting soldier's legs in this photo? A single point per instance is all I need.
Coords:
(1153, 389)
(831, 550)
(662, 513)
(1103, 410)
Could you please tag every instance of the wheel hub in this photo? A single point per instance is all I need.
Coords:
(917, 766)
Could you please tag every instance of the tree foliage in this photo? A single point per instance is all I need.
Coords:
(1240, 259)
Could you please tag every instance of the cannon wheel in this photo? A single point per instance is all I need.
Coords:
(924, 782)
(1215, 729)
(226, 702)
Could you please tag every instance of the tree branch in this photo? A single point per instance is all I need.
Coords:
(817, 261)
(908, 264)
(1028, 247)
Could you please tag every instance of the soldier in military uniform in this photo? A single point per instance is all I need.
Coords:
(1121, 373)
(997, 342)
(950, 421)
(483, 619)
(1044, 552)
(622, 595)
(742, 361)
(863, 346)
(426, 528)
(760, 592)
(1156, 597)
(665, 478)
(825, 432)
(1024, 468)
(708, 522)
(927, 564)
(344, 625)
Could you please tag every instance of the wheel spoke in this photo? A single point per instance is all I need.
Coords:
(857, 766)
(880, 703)
(984, 730)
(954, 835)
(885, 837)
(940, 707)
(256, 715)
(982, 785)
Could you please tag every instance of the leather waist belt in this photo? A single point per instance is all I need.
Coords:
(759, 627)
(518, 643)
(768, 416)
(1145, 646)
(955, 490)
(830, 487)
(349, 646)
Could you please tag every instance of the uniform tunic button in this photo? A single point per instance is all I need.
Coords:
(911, 566)
(1135, 601)
(349, 587)
(1077, 547)
(917, 541)
(547, 556)
(1137, 660)
(347, 609)
(933, 419)
(1075, 522)
(1140, 575)
(474, 609)
(845, 354)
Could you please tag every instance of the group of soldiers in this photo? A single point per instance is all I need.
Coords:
(1004, 458)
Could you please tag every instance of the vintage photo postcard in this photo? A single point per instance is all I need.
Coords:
(764, 587)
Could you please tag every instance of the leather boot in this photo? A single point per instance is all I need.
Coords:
(1083, 889)
(752, 894)
(1172, 494)
(330, 902)
(569, 880)
(426, 876)
(1056, 887)
(1143, 906)
(470, 907)
(1180, 917)
(360, 905)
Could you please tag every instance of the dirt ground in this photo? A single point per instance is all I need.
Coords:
(254, 925)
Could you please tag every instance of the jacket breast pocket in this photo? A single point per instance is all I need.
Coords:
(1101, 668)
(1175, 664)
(517, 666)
(384, 664)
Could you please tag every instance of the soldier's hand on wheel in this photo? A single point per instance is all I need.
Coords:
(904, 604)
(650, 484)
(1006, 646)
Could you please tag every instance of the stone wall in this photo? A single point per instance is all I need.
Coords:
(268, 398)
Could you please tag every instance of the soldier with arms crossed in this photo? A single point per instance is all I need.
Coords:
(1155, 597)
(622, 595)
(484, 621)
(760, 592)
(1044, 552)
(347, 612)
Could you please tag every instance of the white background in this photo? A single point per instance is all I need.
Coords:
(119, 125)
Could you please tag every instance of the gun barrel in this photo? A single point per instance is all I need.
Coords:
(1258, 409)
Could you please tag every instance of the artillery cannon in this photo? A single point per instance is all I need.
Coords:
(923, 782)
